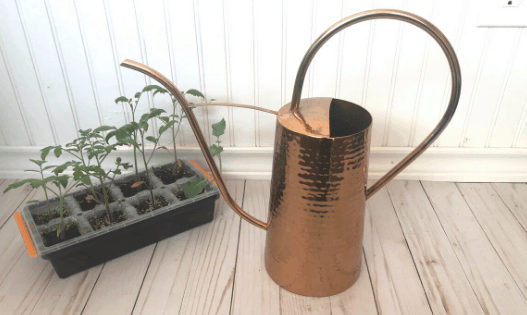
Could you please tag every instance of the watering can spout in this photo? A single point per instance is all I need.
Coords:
(199, 136)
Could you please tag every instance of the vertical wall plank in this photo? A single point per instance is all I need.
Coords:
(385, 42)
(243, 70)
(470, 54)
(13, 124)
(16, 52)
(299, 24)
(508, 120)
(75, 62)
(355, 43)
(48, 69)
(268, 17)
(212, 40)
(449, 17)
(185, 54)
(127, 46)
(99, 48)
(156, 48)
(324, 65)
(406, 85)
(501, 50)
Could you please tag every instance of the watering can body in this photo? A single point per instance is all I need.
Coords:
(320, 167)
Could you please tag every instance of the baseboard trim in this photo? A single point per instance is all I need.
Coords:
(436, 164)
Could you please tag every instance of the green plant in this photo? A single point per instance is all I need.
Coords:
(218, 129)
(91, 146)
(61, 181)
(195, 186)
(129, 134)
(133, 107)
(173, 121)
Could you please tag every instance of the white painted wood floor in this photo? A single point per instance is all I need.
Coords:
(429, 248)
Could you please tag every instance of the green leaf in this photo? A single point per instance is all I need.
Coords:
(144, 126)
(215, 150)
(156, 112)
(118, 161)
(45, 152)
(38, 183)
(121, 99)
(194, 186)
(48, 167)
(218, 129)
(32, 171)
(137, 95)
(19, 184)
(151, 139)
(103, 128)
(31, 201)
(110, 135)
(160, 90)
(164, 128)
(152, 87)
(86, 180)
(39, 163)
(145, 117)
(195, 93)
(165, 119)
(63, 180)
(57, 151)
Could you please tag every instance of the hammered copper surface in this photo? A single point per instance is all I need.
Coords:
(314, 238)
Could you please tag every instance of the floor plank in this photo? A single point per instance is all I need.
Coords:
(11, 243)
(293, 304)
(209, 289)
(505, 233)
(119, 283)
(10, 200)
(495, 289)
(254, 291)
(445, 283)
(67, 296)
(515, 197)
(358, 299)
(24, 278)
(167, 276)
(396, 283)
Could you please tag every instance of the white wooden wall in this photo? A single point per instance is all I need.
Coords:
(59, 67)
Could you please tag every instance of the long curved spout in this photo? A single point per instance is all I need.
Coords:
(199, 136)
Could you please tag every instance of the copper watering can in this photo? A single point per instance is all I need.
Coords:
(320, 170)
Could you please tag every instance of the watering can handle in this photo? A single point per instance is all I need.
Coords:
(199, 136)
(406, 17)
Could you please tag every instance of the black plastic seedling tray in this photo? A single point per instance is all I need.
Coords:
(137, 231)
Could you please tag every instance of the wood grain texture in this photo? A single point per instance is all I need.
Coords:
(513, 194)
(211, 276)
(254, 291)
(129, 272)
(446, 286)
(167, 276)
(394, 277)
(67, 296)
(358, 299)
(492, 283)
(22, 278)
(503, 230)
(12, 245)
(10, 200)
